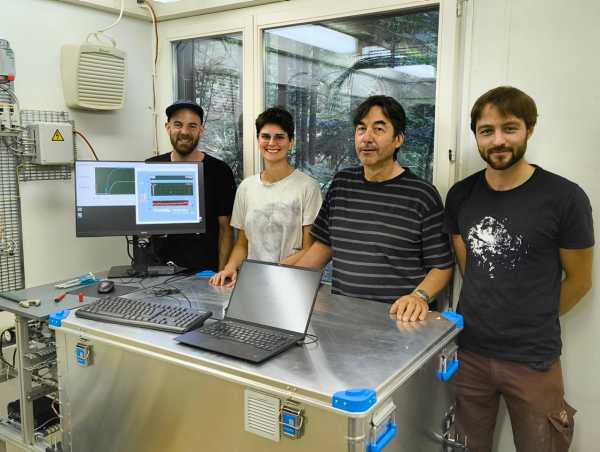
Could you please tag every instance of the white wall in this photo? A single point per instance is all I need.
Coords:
(550, 50)
(36, 30)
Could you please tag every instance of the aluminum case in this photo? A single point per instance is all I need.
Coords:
(144, 392)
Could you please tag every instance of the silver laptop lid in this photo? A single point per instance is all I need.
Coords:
(274, 295)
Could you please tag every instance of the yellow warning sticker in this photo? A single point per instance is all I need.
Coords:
(57, 136)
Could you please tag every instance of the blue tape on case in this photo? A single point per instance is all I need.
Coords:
(354, 400)
(55, 320)
(205, 274)
(455, 318)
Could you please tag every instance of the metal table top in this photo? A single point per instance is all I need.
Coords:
(359, 345)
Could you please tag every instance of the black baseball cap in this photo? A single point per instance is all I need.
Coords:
(179, 104)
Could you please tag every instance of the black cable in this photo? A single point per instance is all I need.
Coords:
(167, 290)
(181, 274)
(314, 340)
(178, 300)
(128, 250)
(55, 418)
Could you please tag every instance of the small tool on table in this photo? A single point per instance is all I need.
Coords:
(29, 303)
(83, 280)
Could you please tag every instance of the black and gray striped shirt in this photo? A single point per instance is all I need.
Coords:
(384, 236)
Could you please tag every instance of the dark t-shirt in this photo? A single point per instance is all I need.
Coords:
(511, 287)
(384, 236)
(200, 251)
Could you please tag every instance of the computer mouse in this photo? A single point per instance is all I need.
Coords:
(106, 286)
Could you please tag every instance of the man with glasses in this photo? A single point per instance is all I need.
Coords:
(380, 224)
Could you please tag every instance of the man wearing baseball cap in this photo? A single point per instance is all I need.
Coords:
(208, 251)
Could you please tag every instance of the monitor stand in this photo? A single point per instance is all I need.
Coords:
(143, 258)
(121, 271)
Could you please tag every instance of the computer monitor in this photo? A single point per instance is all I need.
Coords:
(139, 199)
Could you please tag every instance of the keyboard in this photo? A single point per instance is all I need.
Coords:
(169, 318)
(262, 339)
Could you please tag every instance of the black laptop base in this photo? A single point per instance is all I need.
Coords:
(246, 352)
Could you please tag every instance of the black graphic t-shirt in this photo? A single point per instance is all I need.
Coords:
(511, 287)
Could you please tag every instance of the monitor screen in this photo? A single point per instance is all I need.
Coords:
(138, 198)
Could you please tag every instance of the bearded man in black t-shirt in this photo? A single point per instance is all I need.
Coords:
(208, 251)
(515, 228)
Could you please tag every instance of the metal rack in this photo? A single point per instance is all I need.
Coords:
(35, 370)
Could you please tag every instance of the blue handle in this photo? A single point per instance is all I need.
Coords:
(450, 370)
(384, 439)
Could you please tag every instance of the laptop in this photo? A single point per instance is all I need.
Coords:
(268, 312)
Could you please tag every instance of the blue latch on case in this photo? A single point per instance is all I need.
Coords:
(455, 318)
(354, 400)
(83, 353)
(292, 420)
(449, 364)
(55, 319)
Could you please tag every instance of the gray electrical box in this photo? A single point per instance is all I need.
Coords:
(53, 142)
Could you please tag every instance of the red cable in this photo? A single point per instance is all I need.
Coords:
(87, 142)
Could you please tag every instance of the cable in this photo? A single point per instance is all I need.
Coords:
(150, 9)
(54, 408)
(77, 132)
(100, 33)
(57, 418)
(314, 340)
(178, 300)
(128, 241)
(181, 274)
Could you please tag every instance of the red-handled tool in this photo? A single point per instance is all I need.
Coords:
(81, 297)
(60, 297)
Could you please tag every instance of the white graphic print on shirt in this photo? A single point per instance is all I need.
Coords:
(493, 247)
(274, 222)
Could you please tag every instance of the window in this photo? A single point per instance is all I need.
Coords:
(209, 71)
(321, 71)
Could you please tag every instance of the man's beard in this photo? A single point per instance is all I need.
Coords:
(517, 154)
(184, 148)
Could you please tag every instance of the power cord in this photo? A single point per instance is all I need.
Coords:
(313, 339)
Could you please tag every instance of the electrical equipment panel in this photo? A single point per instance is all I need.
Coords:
(9, 114)
(53, 142)
(7, 62)
(9, 119)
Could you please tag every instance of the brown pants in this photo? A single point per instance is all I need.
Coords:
(541, 419)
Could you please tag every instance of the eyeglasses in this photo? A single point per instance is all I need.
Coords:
(267, 137)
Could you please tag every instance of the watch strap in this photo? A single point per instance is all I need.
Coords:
(422, 295)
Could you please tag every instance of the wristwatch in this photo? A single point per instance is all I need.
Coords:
(422, 295)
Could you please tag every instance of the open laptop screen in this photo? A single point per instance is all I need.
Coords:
(274, 295)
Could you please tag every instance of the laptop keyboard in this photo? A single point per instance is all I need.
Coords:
(261, 339)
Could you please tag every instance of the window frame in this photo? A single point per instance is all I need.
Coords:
(253, 21)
